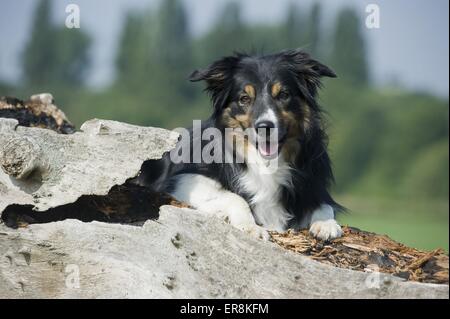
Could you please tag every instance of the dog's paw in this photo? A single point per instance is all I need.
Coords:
(255, 231)
(325, 229)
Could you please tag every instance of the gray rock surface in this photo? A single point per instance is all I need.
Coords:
(44, 169)
(185, 254)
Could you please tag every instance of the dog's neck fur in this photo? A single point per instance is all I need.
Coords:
(263, 183)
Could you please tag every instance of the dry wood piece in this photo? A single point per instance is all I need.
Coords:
(365, 251)
(185, 254)
(44, 169)
(45, 176)
(38, 111)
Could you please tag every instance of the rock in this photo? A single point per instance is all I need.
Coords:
(44, 169)
(185, 254)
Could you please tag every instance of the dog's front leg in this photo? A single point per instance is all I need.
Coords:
(207, 195)
(323, 225)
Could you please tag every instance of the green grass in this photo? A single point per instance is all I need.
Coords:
(422, 224)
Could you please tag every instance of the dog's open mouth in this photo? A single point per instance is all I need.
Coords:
(269, 143)
(269, 148)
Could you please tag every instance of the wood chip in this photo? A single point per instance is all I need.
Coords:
(358, 247)
(365, 251)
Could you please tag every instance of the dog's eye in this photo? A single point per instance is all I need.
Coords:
(283, 95)
(244, 99)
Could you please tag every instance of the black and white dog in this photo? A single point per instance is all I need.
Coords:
(276, 93)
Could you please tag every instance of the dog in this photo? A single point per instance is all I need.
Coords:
(274, 93)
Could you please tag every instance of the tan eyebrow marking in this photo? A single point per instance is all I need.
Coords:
(244, 120)
(250, 90)
(276, 88)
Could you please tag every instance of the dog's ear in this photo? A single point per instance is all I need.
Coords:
(321, 69)
(307, 70)
(217, 72)
(218, 77)
(303, 62)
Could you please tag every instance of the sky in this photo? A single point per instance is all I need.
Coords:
(410, 48)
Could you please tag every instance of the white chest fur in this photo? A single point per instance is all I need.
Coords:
(264, 183)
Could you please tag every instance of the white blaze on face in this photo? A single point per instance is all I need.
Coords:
(268, 115)
(268, 147)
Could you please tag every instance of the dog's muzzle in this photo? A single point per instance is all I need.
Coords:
(269, 138)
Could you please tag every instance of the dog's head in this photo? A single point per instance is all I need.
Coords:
(273, 94)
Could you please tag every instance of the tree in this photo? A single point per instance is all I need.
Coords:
(348, 54)
(313, 36)
(133, 51)
(155, 52)
(40, 51)
(294, 28)
(54, 55)
(170, 51)
(228, 35)
(72, 58)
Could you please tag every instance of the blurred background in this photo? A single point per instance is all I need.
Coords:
(388, 110)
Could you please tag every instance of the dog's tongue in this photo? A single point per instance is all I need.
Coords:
(268, 149)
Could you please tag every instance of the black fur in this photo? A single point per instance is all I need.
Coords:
(300, 75)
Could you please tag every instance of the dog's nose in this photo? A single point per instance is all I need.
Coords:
(265, 129)
(264, 125)
(268, 129)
